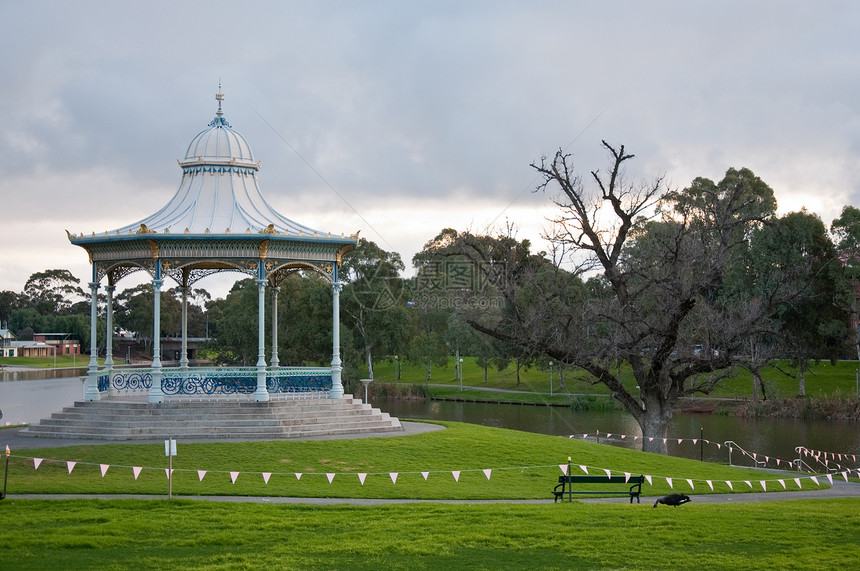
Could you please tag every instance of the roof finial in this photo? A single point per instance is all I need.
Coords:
(219, 97)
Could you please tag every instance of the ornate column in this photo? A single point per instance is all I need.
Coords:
(109, 335)
(183, 359)
(261, 394)
(275, 363)
(336, 368)
(155, 392)
(92, 392)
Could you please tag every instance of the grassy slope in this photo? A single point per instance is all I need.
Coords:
(822, 379)
(524, 465)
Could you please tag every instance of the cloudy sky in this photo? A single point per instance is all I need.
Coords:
(402, 118)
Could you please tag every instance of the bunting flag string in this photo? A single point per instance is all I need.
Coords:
(826, 458)
(136, 470)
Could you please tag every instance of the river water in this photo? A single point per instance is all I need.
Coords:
(771, 438)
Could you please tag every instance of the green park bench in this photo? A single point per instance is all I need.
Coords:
(566, 483)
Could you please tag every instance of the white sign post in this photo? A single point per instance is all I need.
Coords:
(170, 452)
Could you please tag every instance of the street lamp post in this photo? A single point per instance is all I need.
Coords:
(550, 378)
(461, 374)
(366, 382)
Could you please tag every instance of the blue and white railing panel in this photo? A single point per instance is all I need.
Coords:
(209, 381)
(130, 381)
(292, 380)
(240, 382)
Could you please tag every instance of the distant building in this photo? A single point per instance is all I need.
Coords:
(42, 345)
(7, 347)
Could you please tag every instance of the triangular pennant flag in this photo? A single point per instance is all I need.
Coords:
(36, 462)
(609, 435)
(136, 470)
(767, 459)
(608, 473)
(200, 474)
(487, 472)
(456, 474)
(664, 440)
(830, 479)
(650, 439)
(168, 472)
(266, 476)
(730, 485)
(585, 435)
(361, 477)
(814, 479)
(233, 476)
(669, 481)
(763, 485)
(695, 440)
(393, 477)
(635, 438)
(563, 468)
(845, 475)
(623, 436)
(689, 481)
(748, 483)
(71, 466)
(330, 477)
(710, 484)
(797, 481)
(719, 446)
(680, 440)
(298, 475)
(783, 484)
(626, 477)
(583, 468)
(777, 462)
(425, 474)
(104, 468)
(650, 483)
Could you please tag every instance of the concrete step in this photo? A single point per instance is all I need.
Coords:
(117, 419)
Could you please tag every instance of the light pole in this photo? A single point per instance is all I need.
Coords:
(550, 378)
(461, 374)
(366, 382)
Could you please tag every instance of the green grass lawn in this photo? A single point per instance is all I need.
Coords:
(172, 534)
(522, 465)
(131, 534)
(62, 361)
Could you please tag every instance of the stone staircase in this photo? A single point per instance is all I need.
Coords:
(127, 418)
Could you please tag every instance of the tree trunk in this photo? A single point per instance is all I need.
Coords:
(655, 428)
(486, 366)
(369, 359)
(801, 382)
(560, 377)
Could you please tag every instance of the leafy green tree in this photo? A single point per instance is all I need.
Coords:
(813, 321)
(53, 291)
(373, 300)
(846, 232)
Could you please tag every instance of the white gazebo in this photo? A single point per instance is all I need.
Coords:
(218, 221)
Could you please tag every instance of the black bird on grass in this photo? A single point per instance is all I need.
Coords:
(673, 500)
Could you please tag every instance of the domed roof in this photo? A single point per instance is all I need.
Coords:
(219, 143)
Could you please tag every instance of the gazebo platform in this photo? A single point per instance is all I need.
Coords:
(134, 418)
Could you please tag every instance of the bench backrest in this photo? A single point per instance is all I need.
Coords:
(588, 479)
